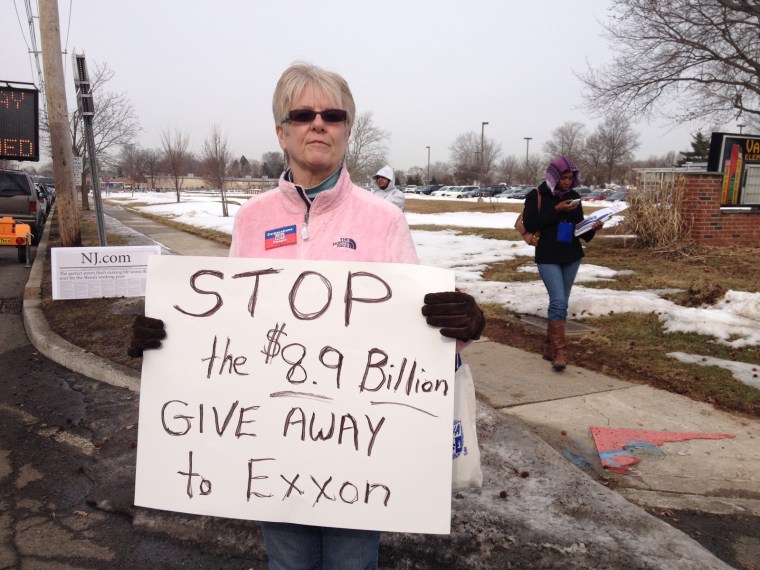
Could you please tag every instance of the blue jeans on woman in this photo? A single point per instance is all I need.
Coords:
(558, 279)
(304, 547)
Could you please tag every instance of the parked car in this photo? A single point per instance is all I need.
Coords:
(507, 193)
(459, 191)
(453, 191)
(19, 200)
(619, 196)
(488, 191)
(411, 189)
(428, 189)
(440, 191)
(521, 192)
(51, 190)
(45, 197)
(596, 196)
(583, 190)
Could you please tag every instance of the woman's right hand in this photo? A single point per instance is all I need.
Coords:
(566, 205)
(146, 333)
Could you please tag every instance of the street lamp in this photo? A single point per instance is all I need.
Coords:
(428, 174)
(527, 148)
(482, 156)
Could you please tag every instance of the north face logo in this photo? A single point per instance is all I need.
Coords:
(345, 242)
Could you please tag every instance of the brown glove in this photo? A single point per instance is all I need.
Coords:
(146, 333)
(457, 313)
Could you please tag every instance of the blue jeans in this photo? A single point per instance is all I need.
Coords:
(558, 279)
(303, 547)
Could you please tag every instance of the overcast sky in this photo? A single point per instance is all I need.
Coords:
(429, 70)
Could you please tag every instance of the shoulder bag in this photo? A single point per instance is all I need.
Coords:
(531, 238)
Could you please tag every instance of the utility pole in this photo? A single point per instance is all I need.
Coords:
(87, 111)
(527, 149)
(482, 173)
(58, 121)
(428, 172)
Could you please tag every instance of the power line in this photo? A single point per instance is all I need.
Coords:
(68, 29)
(35, 51)
(23, 35)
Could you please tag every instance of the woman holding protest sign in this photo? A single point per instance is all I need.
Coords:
(315, 201)
(559, 250)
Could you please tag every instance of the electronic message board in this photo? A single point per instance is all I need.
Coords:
(19, 124)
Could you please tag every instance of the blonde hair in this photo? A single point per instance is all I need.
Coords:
(301, 76)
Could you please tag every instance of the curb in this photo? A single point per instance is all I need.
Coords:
(57, 348)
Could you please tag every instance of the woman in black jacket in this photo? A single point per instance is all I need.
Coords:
(559, 251)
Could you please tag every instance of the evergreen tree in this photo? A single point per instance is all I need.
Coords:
(700, 149)
(245, 166)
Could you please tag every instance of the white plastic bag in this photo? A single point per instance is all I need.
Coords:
(465, 467)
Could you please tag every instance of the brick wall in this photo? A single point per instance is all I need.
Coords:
(709, 224)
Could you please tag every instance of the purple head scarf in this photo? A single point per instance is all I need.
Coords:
(554, 173)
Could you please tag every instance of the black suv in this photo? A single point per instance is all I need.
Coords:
(18, 199)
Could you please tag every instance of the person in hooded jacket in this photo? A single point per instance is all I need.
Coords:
(386, 187)
(559, 251)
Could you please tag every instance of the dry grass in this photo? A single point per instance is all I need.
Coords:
(657, 222)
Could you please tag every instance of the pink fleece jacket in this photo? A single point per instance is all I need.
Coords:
(345, 223)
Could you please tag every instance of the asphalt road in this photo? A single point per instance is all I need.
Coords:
(52, 421)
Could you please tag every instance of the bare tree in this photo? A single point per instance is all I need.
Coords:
(507, 169)
(566, 140)
(666, 160)
(468, 163)
(416, 175)
(592, 166)
(176, 155)
(440, 173)
(701, 53)
(152, 162)
(132, 162)
(532, 171)
(367, 151)
(272, 164)
(256, 168)
(114, 124)
(618, 141)
(215, 160)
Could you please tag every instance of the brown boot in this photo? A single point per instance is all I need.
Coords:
(558, 340)
(548, 347)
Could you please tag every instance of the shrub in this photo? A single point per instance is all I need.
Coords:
(655, 218)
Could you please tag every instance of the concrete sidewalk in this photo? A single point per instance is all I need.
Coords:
(719, 476)
(537, 509)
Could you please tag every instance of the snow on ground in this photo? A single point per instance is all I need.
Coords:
(734, 321)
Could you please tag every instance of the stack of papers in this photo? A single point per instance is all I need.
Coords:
(602, 214)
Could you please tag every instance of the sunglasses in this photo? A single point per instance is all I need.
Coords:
(308, 115)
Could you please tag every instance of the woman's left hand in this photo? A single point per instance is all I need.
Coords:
(457, 313)
(598, 225)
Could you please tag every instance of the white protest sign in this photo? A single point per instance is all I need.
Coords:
(297, 391)
(95, 272)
